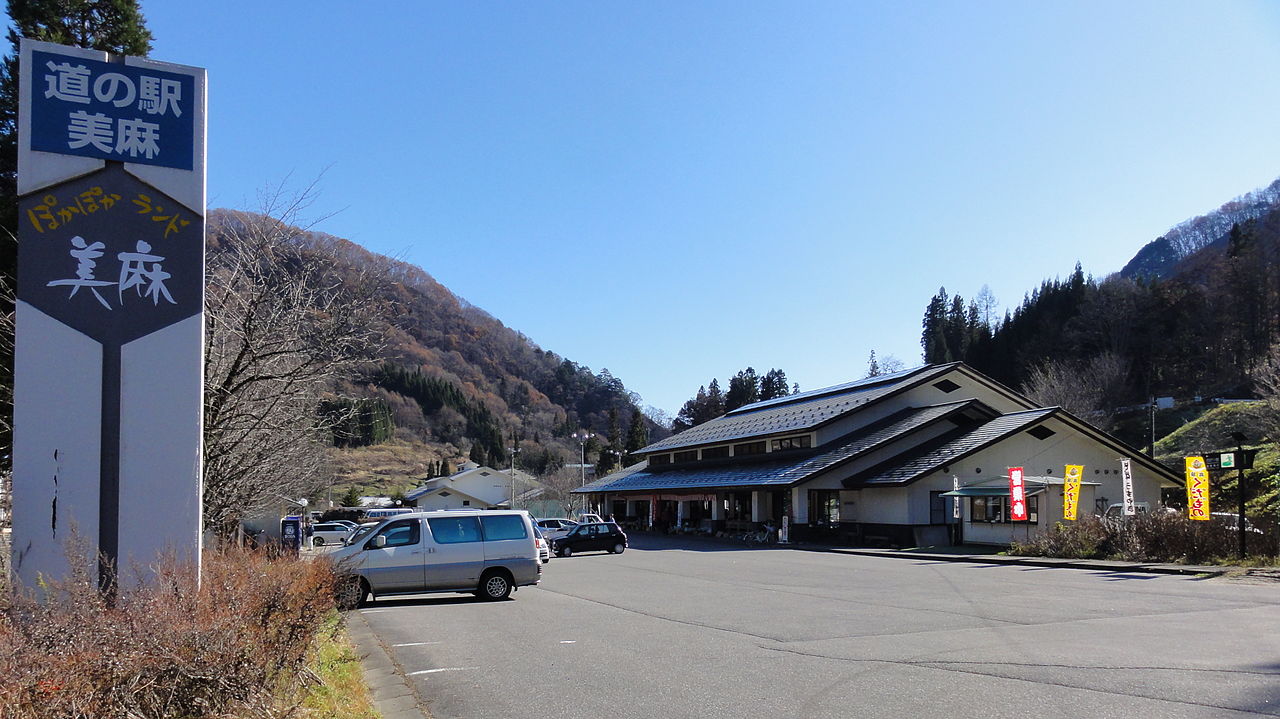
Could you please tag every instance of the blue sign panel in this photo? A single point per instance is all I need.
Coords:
(112, 111)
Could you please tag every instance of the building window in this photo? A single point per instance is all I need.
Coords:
(715, 452)
(690, 455)
(801, 442)
(824, 507)
(995, 510)
(742, 450)
(659, 459)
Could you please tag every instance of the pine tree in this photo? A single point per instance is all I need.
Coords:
(351, 497)
(873, 367)
(715, 402)
(933, 339)
(637, 433)
(773, 384)
(744, 389)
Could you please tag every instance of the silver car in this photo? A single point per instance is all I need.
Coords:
(329, 533)
(489, 553)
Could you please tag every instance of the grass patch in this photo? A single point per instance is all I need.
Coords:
(338, 690)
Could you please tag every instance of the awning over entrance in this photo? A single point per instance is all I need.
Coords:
(987, 492)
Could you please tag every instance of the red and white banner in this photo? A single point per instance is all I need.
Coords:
(1017, 496)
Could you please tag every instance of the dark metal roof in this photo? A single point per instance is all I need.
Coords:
(779, 472)
(947, 449)
(796, 412)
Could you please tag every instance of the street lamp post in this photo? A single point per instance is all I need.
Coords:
(583, 436)
(513, 451)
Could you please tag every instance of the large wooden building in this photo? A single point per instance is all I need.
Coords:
(878, 461)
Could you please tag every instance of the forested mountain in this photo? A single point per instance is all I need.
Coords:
(452, 382)
(1160, 257)
(1197, 328)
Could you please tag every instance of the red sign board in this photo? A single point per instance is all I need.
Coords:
(1017, 496)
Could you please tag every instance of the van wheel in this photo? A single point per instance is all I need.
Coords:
(618, 548)
(317, 542)
(495, 585)
(352, 593)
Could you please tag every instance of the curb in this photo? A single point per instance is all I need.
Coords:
(393, 696)
(1054, 562)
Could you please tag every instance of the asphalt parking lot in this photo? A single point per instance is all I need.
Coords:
(678, 628)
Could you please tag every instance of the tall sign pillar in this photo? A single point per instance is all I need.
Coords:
(108, 376)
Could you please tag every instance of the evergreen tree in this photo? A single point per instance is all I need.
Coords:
(350, 497)
(715, 402)
(773, 384)
(873, 367)
(637, 433)
(744, 389)
(933, 340)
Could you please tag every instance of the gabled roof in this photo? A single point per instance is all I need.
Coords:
(798, 412)
(449, 491)
(782, 472)
(947, 449)
(950, 448)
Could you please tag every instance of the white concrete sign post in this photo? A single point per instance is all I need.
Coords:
(108, 377)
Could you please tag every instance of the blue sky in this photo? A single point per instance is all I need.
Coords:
(676, 190)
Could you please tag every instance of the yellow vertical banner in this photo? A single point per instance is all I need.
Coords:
(1071, 491)
(1197, 488)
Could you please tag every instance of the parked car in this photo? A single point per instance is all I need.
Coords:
(592, 537)
(1231, 520)
(489, 553)
(544, 547)
(556, 523)
(329, 533)
(361, 532)
(555, 528)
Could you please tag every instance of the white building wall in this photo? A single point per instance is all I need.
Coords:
(1049, 457)
(910, 504)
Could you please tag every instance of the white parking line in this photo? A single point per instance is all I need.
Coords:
(415, 644)
(568, 641)
(443, 669)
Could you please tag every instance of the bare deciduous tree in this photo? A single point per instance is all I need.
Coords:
(1086, 390)
(285, 321)
(1266, 382)
(559, 486)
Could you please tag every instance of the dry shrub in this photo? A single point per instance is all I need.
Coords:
(1087, 538)
(1153, 537)
(168, 649)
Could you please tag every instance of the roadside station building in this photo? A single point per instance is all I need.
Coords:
(878, 461)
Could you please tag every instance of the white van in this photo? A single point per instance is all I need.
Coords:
(486, 552)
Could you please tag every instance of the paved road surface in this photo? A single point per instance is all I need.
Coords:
(672, 629)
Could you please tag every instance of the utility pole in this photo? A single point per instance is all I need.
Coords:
(1239, 462)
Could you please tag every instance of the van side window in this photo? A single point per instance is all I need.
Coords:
(454, 530)
(402, 534)
(503, 526)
